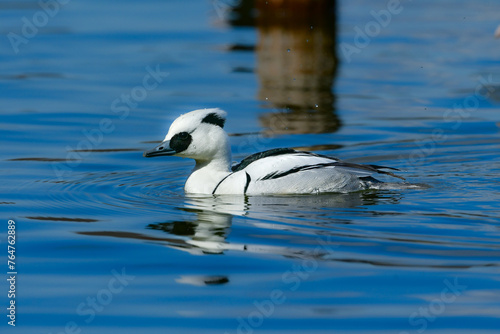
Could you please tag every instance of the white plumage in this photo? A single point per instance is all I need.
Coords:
(199, 135)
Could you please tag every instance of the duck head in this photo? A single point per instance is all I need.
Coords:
(198, 134)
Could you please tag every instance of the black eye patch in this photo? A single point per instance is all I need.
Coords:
(180, 141)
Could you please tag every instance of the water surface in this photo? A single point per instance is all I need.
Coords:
(108, 241)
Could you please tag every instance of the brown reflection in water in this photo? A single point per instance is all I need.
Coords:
(297, 64)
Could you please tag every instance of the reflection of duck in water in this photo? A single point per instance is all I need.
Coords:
(270, 223)
(210, 218)
(199, 135)
(205, 235)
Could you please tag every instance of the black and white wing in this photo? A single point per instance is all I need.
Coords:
(287, 171)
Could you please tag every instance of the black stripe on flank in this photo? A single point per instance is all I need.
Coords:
(254, 157)
(277, 175)
(248, 183)
(214, 119)
(218, 184)
(244, 190)
(370, 168)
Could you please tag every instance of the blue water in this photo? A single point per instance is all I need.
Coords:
(107, 241)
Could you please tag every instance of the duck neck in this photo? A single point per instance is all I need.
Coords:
(219, 162)
(212, 166)
(207, 174)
